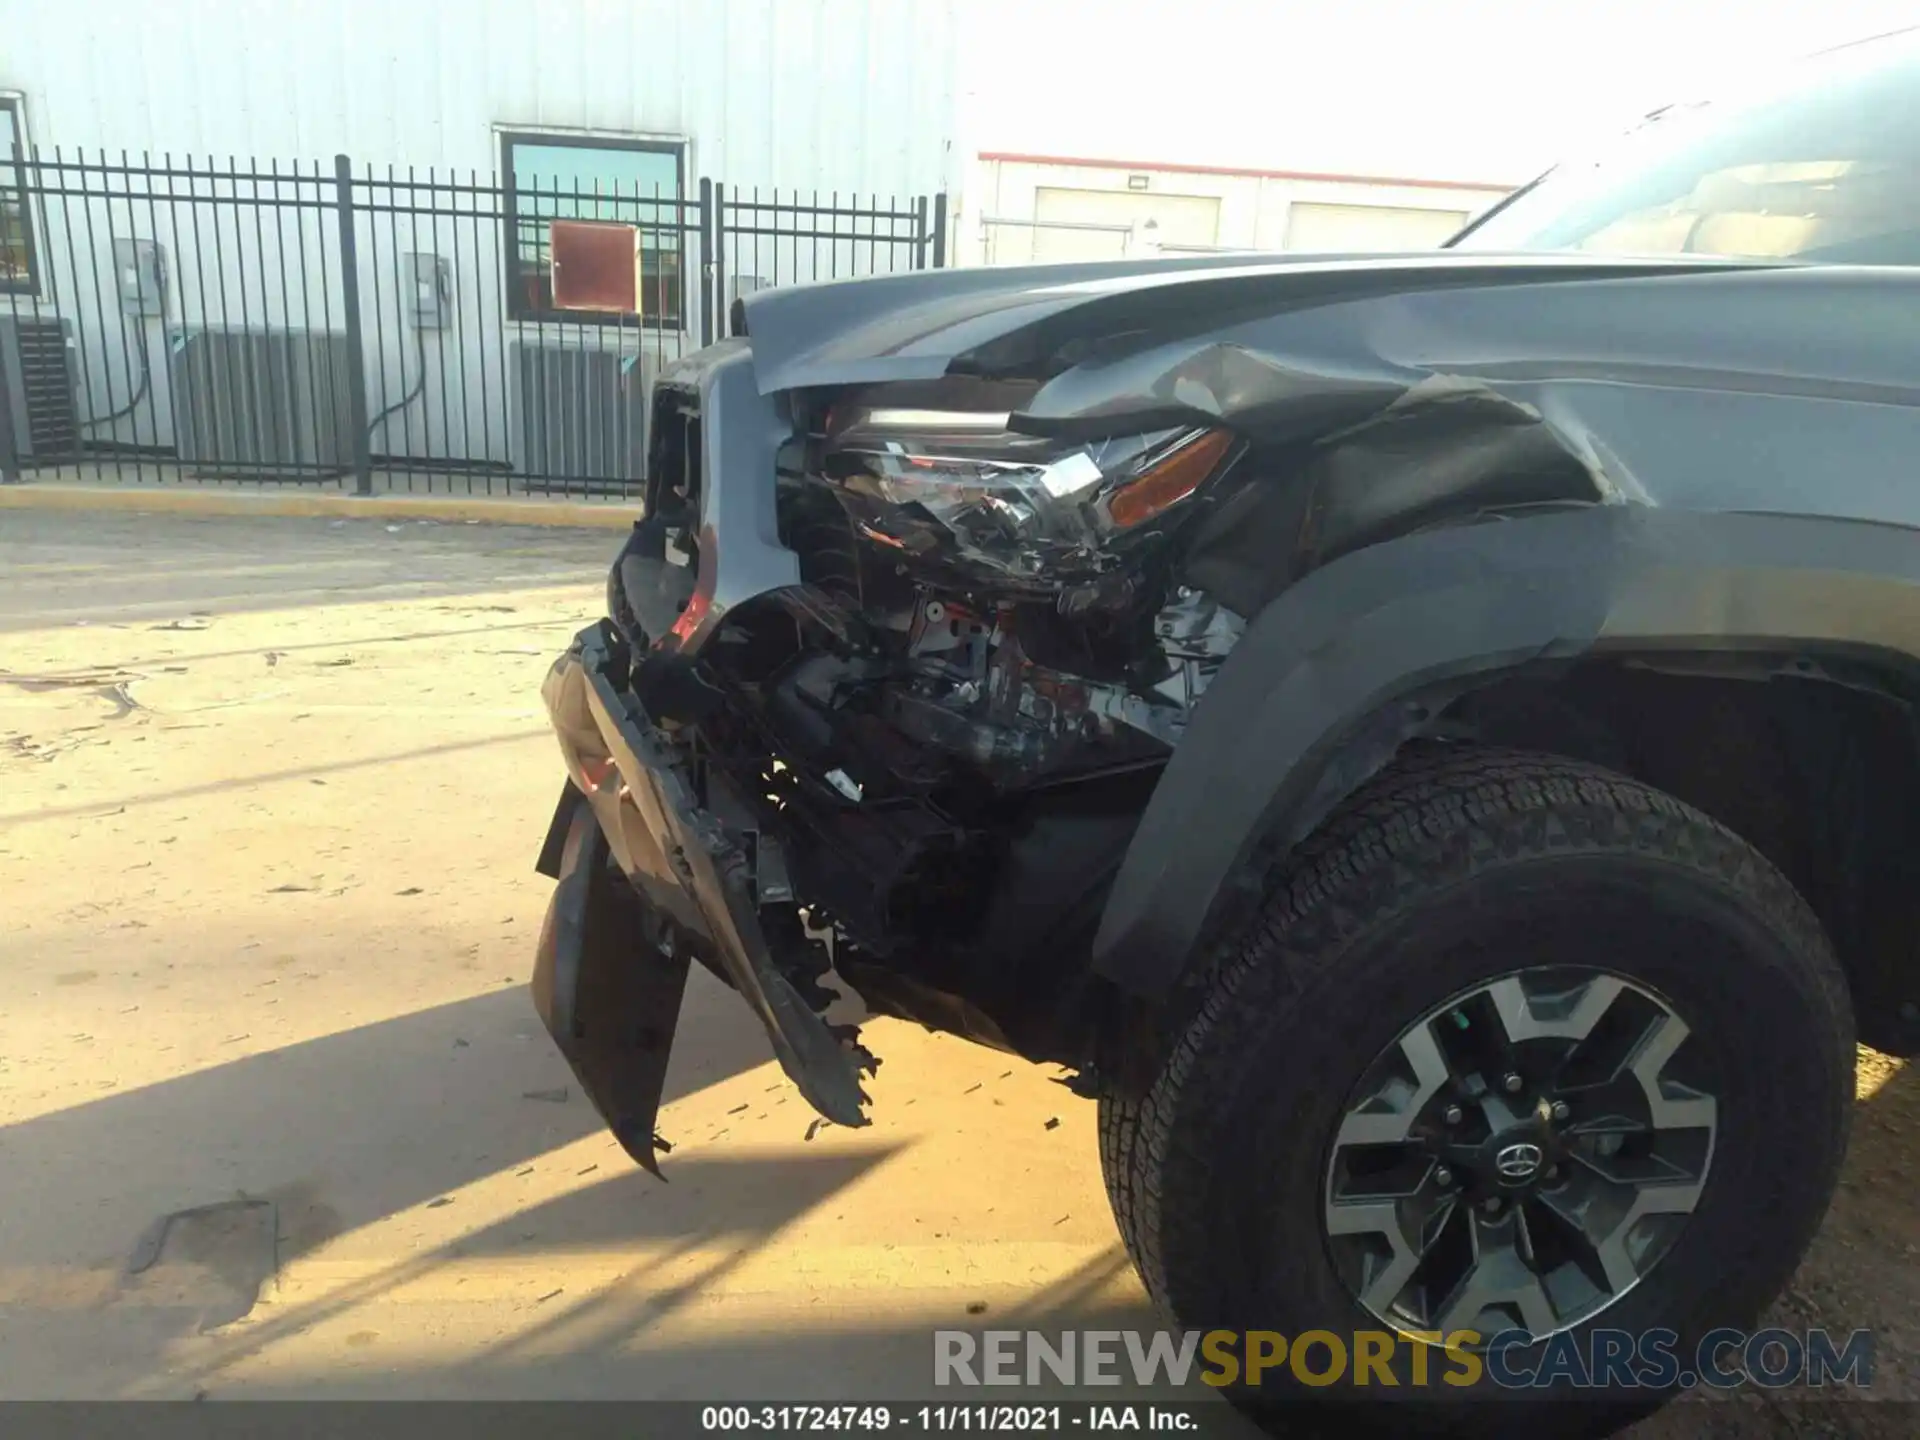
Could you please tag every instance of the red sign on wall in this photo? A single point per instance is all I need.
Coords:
(596, 266)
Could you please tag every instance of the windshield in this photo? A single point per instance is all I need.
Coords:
(1821, 164)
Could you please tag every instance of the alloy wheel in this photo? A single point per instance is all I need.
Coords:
(1521, 1156)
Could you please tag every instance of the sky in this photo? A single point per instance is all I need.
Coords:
(1472, 90)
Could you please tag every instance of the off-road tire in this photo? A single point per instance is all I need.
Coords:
(1216, 1171)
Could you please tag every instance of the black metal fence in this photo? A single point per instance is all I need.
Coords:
(182, 320)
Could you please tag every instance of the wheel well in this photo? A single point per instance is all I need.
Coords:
(1816, 766)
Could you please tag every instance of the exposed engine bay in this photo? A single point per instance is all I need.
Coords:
(943, 737)
(897, 659)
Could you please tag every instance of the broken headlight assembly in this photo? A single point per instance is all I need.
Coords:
(959, 491)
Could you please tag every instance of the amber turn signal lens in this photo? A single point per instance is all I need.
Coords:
(1168, 481)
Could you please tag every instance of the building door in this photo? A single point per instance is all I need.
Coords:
(1179, 220)
(1337, 229)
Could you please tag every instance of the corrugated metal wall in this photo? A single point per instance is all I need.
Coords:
(848, 96)
(854, 95)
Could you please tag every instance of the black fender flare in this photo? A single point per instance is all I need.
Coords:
(1337, 672)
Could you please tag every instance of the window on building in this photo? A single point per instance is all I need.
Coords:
(18, 268)
(628, 182)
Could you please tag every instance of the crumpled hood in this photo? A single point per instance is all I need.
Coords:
(922, 324)
(1411, 390)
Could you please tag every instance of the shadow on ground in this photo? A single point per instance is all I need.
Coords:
(604, 1345)
(340, 1131)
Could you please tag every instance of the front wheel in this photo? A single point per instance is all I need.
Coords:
(1516, 1048)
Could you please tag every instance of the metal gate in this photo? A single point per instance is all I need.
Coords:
(185, 320)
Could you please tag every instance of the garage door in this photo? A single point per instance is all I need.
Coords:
(1181, 220)
(1320, 228)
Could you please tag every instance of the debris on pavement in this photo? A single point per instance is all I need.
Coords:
(152, 1242)
(122, 698)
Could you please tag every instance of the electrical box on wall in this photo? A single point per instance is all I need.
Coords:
(140, 270)
(429, 282)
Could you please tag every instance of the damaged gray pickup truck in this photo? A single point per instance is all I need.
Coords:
(1426, 740)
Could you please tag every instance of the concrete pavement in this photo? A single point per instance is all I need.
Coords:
(270, 794)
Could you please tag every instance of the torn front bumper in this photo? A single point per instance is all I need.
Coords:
(633, 808)
(609, 1001)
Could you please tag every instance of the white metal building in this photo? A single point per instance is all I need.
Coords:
(202, 325)
(853, 95)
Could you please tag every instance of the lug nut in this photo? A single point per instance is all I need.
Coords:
(1561, 1110)
(1491, 1205)
(1443, 1177)
(1453, 1115)
(1513, 1082)
(1553, 1172)
(1608, 1145)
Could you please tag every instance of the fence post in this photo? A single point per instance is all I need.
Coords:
(10, 470)
(722, 313)
(940, 231)
(922, 241)
(350, 301)
(9, 444)
(706, 261)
